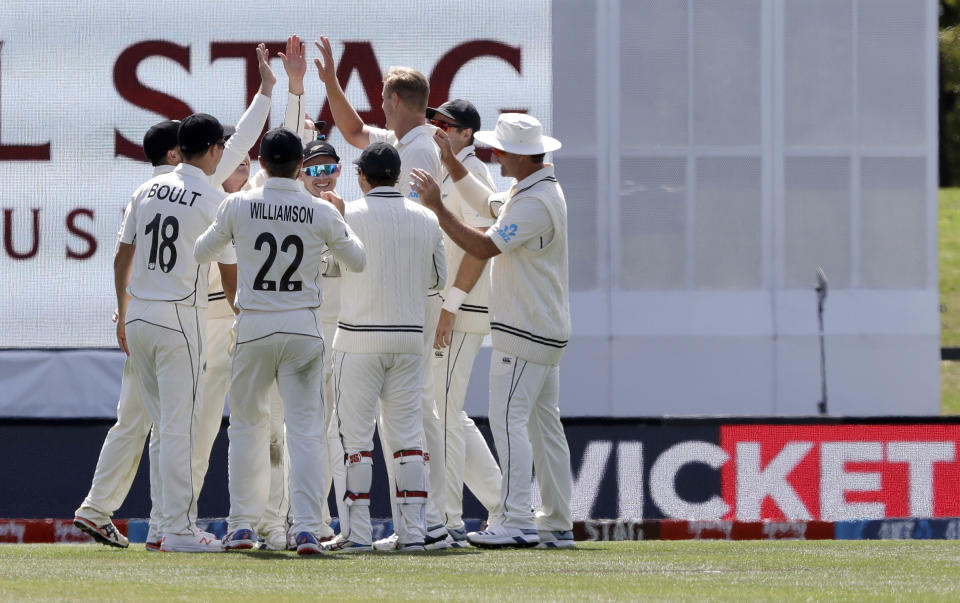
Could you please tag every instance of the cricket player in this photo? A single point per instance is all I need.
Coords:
(162, 327)
(378, 349)
(279, 232)
(123, 446)
(321, 169)
(405, 93)
(529, 322)
(464, 322)
(120, 455)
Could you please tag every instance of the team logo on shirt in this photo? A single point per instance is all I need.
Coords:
(507, 232)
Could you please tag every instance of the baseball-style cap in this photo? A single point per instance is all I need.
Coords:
(518, 133)
(280, 145)
(380, 160)
(319, 148)
(228, 131)
(199, 131)
(159, 139)
(462, 112)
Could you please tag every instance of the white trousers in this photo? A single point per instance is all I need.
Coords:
(167, 348)
(432, 428)
(396, 379)
(121, 452)
(464, 452)
(295, 363)
(336, 474)
(525, 420)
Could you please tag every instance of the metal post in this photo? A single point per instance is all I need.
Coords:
(821, 290)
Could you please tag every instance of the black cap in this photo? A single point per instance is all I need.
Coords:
(228, 131)
(280, 145)
(319, 148)
(380, 160)
(159, 139)
(462, 112)
(198, 131)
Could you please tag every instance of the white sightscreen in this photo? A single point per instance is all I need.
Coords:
(63, 82)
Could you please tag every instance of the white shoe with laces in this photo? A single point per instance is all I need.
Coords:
(390, 543)
(196, 541)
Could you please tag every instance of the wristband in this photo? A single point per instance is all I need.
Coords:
(454, 298)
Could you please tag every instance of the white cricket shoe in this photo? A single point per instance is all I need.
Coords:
(389, 543)
(154, 537)
(561, 539)
(196, 541)
(501, 536)
(437, 537)
(342, 545)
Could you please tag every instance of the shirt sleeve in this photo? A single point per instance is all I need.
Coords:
(525, 221)
(258, 179)
(438, 272)
(214, 243)
(381, 135)
(470, 215)
(128, 227)
(345, 246)
(293, 116)
(248, 130)
(474, 192)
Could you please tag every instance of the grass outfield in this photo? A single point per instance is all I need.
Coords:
(745, 570)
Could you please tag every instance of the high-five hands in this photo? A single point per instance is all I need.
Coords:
(295, 63)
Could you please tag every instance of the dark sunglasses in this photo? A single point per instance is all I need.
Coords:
(326, 169)
(445, 126)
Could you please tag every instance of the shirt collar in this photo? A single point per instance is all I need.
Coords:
(191, 170)
(162, 169)
(384, 191)
(540, 174)
(284, 184)
(424, 130)
(464, 152)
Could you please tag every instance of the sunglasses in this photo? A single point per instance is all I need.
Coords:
(445, 126)
(221, 143)
(326, 169)
(497, 152)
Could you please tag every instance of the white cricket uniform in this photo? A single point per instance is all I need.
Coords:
(530, 327)
(219, 314)
(378, 353)
(464, 453)
(418, 150)
(165, 323)
(280, 232)
(122, 448)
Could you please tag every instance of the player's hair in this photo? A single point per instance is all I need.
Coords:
(410, 85)
(376, 181)
(537, 158)
(287, 169)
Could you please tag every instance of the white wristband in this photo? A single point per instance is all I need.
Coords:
(454, 298)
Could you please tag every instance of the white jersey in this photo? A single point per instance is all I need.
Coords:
(280, 232)
(416, 150)
(473, 314)
(166, 216)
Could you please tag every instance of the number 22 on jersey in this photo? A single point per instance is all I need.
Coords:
(261, 283)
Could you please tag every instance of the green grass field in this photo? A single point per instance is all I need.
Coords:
(777, 570)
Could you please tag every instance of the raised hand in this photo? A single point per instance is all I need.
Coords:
(326, 68)
(443, 141)
(267, 78)
(295, 63)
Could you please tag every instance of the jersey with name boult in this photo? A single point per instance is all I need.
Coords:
(166, 216)
(280, 232)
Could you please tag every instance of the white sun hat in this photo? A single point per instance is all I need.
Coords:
(518, 133)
